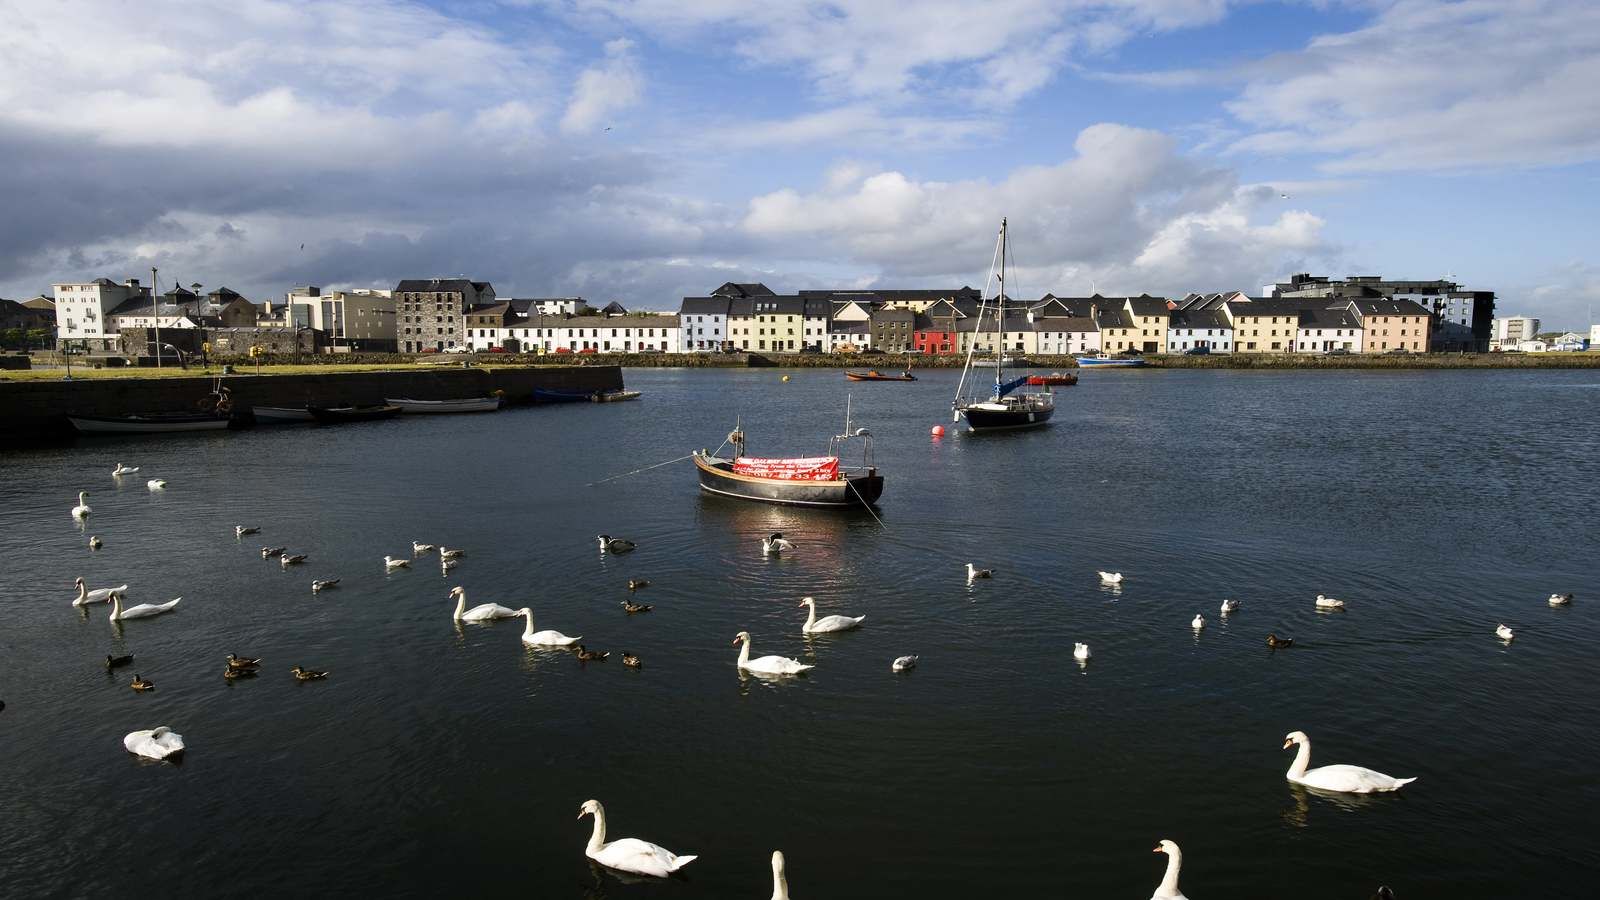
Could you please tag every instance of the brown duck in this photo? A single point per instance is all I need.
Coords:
(1278, 643)
(141, 685)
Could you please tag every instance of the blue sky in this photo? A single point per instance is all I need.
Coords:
(646, 149)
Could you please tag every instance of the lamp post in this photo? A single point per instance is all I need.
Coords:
(155, 312)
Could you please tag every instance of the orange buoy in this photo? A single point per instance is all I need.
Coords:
(938, 431)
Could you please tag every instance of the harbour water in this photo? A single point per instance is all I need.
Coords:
(451, 761)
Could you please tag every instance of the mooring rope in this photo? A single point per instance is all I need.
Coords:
(645, 469)
(865, 505)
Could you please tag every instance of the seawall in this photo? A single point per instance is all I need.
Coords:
(37, 410)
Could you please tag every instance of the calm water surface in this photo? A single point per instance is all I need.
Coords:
(443, 760)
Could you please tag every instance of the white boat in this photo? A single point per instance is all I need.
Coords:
(466, 405)
(281, 415)
(987, 362)
(152, 424)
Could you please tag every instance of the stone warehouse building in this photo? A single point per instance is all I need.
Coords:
(430, 312)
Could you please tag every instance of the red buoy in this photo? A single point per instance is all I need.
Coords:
(938, 431)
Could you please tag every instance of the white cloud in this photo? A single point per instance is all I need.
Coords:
(604, 90)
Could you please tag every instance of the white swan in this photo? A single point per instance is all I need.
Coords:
(1329, 603)
(1230, 606)
(160, 742)
(903, 663)
(1344, 779)
(1080, 652)
(1168, 889)
(826, 624)
(1198, 623)
(780, 880)
(122, 470)
(156, 484)
(1111, 577)
(1504, 633)
(390, 564)
(777, 543)
(543, 638)
(142, 611)
(766, 665)
(485, 612)
(82, 510)
(240, 531)
(628, 854)
(98, 595)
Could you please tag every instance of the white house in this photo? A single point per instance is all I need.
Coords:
(83, 309)
(703, 324)
(642, 333)
(1193, 329)
(1323, 330)
(1066, 335)
(856, 335)
(817, 318)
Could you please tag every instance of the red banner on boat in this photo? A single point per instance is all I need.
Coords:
(807, 468)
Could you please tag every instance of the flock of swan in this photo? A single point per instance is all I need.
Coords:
(641, 857)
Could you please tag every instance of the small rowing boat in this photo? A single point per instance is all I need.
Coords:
(1054, 378)
(615, 396)
(560, 395)
(1115, 362)
(154, 423)
(875, 375)
(340, 414)
(466, 405)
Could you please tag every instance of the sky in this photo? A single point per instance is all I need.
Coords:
(647, 150)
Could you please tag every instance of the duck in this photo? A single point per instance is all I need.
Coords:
(628, 854)
(1504, 633)
(240, 662)
(240, 531)
(1343, 779)
(609, 544)
(301, 674)
(1168, 889)
(98, 595)
(122, 470)
(637, 584)
(1230, 606)
(630, 660)
(287, 560)
(826, 624)
(1560, 599)
(767, 665)
(544, 638)
(229, 673)
(117, 662)
(973, 573)
(160, 742)
(775, 543)
(584, 654)
(322, 584)
(447, 553)
(903, 663)
(418, 548)
(142, 611)
(95, 543)
(1278, 643)
(390, 564)
(1198, 623)
(780, 881)
(485, 612)
(1110, 577)
(270, 552)
(631, 607)
(156, 484)
(1329, 603)
(1080, 652)
(141, 684)
(82, 510)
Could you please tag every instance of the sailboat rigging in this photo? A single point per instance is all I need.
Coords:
(1011, 406)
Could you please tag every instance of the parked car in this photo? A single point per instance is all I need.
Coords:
(457, 350)
(1396, 351)
(811, 349)
(563, 349)
(1338, 351)
(430, 349)
(587, 350)
(1197, 351)
(497, 350)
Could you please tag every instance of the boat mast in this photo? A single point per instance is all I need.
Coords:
(972, 345)
(1000, 317)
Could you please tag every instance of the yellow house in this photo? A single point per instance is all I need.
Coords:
(1149, 323)
(1262, 326)
(1117, 331)
(779, 324)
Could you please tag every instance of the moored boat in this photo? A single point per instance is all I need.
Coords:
(615, 396)
(561, 395)
(339, 414)
(1120, 362)
(875, 375)
(1007, 408)
(153, 423)
(464, 405)
(280, 415)
(1054, 378)
(798, 481)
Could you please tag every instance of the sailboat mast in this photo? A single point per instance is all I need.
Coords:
(1000, 317)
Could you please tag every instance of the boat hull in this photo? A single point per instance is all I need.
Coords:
(431, 407)
(615, 396)
(146, 424)
(556, 395)
(980, 418)
(717, 477)
(873, 376)
(280, 415)
(341, 414)
(1097, 362)
(1053, 380)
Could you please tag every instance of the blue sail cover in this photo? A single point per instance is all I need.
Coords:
(1010, 386)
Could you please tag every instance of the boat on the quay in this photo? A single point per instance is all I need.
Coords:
(1008, 407)
(338, 415)
(153, 423)
(824, 481)
(429, 407)
(875, 375)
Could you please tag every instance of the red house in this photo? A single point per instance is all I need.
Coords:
(934, 332)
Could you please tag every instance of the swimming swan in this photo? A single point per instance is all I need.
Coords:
(544, 638)
(485, 612)
(142, 611)
(628, 854)
(766, 665)
(1344, 779)
(826, 624)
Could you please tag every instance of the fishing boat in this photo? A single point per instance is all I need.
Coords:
(1115, 362)
(561, 395)
(153, 423)
(1053, 379)
(280, 415)
(824, 481)
(875, 375)
(615, 396)
(337, 415)
(1009, 406)
(428, 407)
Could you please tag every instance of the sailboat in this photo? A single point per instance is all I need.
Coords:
(1010, 406)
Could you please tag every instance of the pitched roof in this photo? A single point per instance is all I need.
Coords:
(1146, 305)
(704, 306)
(1199, 318)
(776, 304)
(1384, 307)
(1114, 317)
(742, 289)
(431, 285)
(1065, 323)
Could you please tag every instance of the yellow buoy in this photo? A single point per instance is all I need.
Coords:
(785, 378)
